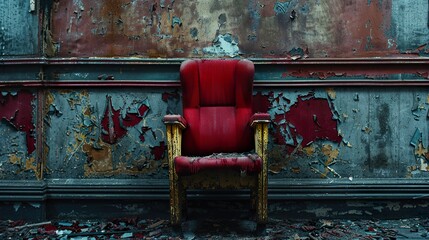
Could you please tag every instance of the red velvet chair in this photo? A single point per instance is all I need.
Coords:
(219, 142)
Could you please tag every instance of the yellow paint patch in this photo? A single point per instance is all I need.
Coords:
(309, 151)
(15, 159)
(420, 150)
(99, 160)
(331, 93)
(410, 170)
(332, 155)
(87, 111)
(275, 168)
(328, 152)
(76, 99)
(31, 164)
(79, 137)
(49, 98)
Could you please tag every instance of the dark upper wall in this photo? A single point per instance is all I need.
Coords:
(284, 28)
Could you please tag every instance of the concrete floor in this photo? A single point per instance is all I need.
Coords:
(135, 228)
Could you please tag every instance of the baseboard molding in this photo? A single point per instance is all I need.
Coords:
(153, 189)
(149, 198)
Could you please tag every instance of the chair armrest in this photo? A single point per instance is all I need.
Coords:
(260, 118)
(175, 119)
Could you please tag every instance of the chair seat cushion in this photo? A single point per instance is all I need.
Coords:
(250, 163)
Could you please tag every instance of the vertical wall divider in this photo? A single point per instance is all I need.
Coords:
(40, 130)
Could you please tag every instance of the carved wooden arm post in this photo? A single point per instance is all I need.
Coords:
(260, 122)
(175, 124)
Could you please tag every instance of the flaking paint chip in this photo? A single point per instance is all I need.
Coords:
(423, 165)
(366, 129)
(331, 93)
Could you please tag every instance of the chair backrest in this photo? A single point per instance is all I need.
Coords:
(217, 104)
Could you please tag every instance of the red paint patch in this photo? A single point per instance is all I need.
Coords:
(320, 75)
(424, 74)
(143, 110)
(131, 119)
(114, 127)
(111, 124)
(310, 119)
(159, 151)
(261, 103)
(144, 130)
(50, 227)
(280, 124)
(18, 111)
(168, 96)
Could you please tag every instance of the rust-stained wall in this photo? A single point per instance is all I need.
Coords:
(268, 28)
(176, 28)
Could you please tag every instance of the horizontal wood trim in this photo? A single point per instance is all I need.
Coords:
(258, 61)
(176, 84)
(382, 72)
(153, 189)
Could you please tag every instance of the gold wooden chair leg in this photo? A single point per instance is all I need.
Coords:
(261, 144)
(174, 138)
(253, 198)
(262, 203)
(182, 203)
(175, 206)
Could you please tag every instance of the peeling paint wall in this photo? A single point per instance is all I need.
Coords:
(270, 28)
(19, 29)
(339, 132)
(317, 132)
(410, 21)
(176, 28)
(107, 134)
(18, 158)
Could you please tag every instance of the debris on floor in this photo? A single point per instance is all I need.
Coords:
(135, 228)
